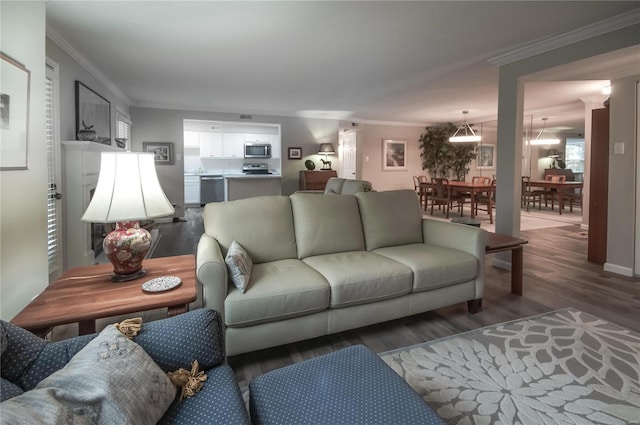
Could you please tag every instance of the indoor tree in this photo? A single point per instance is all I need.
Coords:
(443, 158)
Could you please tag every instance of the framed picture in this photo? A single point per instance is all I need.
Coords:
(486, 157)
(93, 116)
(295, 153)
(162, 151)
(14, 114)
(394, 155)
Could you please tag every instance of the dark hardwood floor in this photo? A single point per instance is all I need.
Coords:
(556, 275)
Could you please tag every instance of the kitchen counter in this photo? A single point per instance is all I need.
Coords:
(252, 176)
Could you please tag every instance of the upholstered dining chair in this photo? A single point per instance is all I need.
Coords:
(443, 195)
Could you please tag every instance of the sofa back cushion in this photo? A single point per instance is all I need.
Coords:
(262, 225)
(351, 187)
(334, 186)
(390, 218)
(326, 224)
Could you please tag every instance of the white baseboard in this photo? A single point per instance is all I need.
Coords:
(502, 264)
(614, 268)
(584, 227)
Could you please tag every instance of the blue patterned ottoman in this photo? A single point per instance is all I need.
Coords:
(349, 386)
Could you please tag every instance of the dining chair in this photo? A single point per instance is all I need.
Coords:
(530, 195)
(487, 199)
(551, 194)
(419, 184)
(574, 197)
(443, 195)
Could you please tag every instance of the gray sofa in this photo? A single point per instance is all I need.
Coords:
(340, 186)
(328, 263)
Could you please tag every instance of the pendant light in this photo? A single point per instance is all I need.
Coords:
(542, 139)
(469, 134)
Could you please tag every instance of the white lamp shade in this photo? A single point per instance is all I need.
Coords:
(128, 189)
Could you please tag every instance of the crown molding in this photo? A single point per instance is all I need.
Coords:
(86, 64)
(550, 43)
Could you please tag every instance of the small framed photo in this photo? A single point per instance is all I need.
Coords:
(295, 153)
(394, 155)
(486, 158)
(162, 152)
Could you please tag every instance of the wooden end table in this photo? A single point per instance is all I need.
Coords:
(496, 243)
(84, 294)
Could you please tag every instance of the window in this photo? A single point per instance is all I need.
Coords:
(574, 156)
(123, 130)
(52, 143)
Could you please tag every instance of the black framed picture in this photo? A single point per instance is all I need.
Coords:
(295, 153)
(93, 116)
(162, 152)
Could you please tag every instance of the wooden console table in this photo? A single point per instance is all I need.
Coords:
(84, 294)
(315, 180)
(496, 243)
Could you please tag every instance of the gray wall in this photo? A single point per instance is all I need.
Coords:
(23, 193)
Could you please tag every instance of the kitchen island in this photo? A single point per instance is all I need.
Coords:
(241, 186)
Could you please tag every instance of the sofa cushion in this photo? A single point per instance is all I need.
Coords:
(334, 186)
(361, 277)
(326, 224)
(262, 225)
(433, 266)
(390, 218)
(351, 187)
(111, 380)
(239, 264)
(279, 290)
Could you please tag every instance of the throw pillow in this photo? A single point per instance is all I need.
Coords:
(239, 264)
(110, 381)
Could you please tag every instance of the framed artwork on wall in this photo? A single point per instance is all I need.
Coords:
(486, 157)
(295, 153)
(394, 155)
(93, 116)
(162, 152)
(14, 114)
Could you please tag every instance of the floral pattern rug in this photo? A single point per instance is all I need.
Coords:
(562, 367)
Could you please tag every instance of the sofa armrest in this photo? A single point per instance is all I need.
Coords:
(212, 274)
(470, 239)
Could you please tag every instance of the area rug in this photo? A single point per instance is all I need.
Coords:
(562, 367)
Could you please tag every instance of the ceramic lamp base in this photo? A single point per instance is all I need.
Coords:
(126, 247)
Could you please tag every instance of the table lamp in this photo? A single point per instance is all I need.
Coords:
(127, 191)
(326, 149)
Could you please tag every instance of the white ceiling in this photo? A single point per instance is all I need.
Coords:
(364, 61)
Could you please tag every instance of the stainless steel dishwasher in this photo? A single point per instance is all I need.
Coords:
(211, 189)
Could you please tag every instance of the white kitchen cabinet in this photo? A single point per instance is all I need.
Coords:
(192, 190)
(274, 140)
(233, 145)
(210, 145)
(256, 138)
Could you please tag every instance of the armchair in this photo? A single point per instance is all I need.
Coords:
(172, 343)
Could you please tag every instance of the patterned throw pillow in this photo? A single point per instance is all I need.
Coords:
(110, 381)
(239, 264)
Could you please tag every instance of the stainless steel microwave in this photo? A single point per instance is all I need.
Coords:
(257, 150)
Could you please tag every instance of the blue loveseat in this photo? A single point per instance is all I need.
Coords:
(172, 343)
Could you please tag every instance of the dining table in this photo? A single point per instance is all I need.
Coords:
(466, 187)
(559, 186)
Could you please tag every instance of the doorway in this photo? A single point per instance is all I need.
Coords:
(347, 152)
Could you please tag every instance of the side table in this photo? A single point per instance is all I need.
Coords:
(84, 294)
(496, 243)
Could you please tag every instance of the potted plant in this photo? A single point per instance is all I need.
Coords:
(443, 158)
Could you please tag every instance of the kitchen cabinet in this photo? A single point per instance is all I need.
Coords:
(191, 139)
(256, 138)
(192, 190)
(233, 145)
(274, 140)
(210, 145)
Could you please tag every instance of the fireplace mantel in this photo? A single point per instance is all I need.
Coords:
(81, 166)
